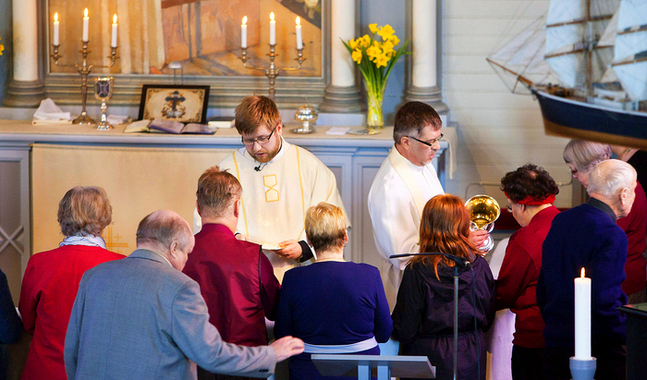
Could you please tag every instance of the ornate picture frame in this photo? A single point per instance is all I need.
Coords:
(181, 103)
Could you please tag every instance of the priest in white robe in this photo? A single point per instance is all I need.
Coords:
(280, 182)
(403, 185)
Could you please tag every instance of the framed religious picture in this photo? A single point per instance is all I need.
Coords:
(185, 104)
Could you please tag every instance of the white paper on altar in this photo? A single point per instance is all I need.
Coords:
(499, 338)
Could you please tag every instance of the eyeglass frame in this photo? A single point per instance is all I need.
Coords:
(258, 139)
(429, 144)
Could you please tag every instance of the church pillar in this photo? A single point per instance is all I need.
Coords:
(341, 95)
(425, 31)
(26, 88)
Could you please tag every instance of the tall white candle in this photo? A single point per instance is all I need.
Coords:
(272, 29)
(243, 33)
(114, 31)
(299, 36)
(582, 317)
(56, 30)
(86, 25)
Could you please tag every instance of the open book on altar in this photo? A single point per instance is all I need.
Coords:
(169, 126)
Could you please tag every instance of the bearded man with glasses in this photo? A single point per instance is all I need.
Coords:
(280, 182)
(403, 185)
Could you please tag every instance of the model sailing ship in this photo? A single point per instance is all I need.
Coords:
(597, 50)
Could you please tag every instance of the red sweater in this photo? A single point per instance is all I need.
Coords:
(48, 291)
(516, 285)
(635, 226)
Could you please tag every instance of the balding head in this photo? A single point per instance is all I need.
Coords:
(167, 233)
(614, 183)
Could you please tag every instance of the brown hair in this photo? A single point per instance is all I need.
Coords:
(412, 117)
(445, 228)
(255, 111)
(217, 190)
(528, 180)
(84, 211)
(325, 226)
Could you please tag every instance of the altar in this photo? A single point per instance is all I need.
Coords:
(143, 172)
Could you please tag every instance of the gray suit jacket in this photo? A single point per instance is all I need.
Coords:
(139, 318)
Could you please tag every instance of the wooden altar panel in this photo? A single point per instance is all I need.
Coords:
(138, 181)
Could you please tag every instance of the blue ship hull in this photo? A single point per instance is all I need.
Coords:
(570, 118)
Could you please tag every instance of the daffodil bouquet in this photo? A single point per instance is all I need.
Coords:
(1, 48)
(376, 60)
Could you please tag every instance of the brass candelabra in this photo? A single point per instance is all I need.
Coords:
(272, 72)
(84, 69)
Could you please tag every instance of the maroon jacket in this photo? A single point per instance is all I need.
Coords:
(237, 282)
(635, 226)
(516, 285)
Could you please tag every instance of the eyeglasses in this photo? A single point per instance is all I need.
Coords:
(260, 140)
(509, 207)
(430, 142)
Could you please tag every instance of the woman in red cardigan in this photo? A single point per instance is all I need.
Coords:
(52, 278)
(530, 191)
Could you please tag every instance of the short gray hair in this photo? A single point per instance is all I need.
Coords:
(161, 228)
(584, 155)
(610, 176)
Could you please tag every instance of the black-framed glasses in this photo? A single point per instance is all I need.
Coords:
(430, 142)
(260, 140)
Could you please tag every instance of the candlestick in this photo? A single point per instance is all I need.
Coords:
(582, 317)
(86, 25)
(114, 32)
(272, 29)
(243, 33)
(84, 69)
(56, 30)
(299, 37)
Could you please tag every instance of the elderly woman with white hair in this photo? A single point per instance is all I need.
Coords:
(334, 306)
(588, 237)
(581, 156)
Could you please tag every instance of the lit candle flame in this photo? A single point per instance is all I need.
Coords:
(56, 17)
(245, 20)
(582, 273)
(271, 16)
(85, 12)
(298, 20)
(114, 19)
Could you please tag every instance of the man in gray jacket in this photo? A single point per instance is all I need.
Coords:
(142, 318)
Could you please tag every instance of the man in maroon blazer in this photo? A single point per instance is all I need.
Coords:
(236, 278)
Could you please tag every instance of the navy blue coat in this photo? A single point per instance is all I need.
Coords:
(583, 236)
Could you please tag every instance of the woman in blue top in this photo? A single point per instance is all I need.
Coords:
(334, 306)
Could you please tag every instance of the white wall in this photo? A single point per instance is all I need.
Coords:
(498, 131)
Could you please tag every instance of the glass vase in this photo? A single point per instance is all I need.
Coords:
(375, 117)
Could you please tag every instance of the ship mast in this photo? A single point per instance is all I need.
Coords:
(590, 45)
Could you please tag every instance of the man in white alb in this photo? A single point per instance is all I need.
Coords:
(403, 185)
(280, 182)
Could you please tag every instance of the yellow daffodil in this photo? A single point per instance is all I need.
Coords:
(373, 28)
(387, 47)
(1, 48)
(353, 44)
(386, 31)
(372, 52)
(357, 56)
(366, 41)
(394, 40)
(382, 60)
